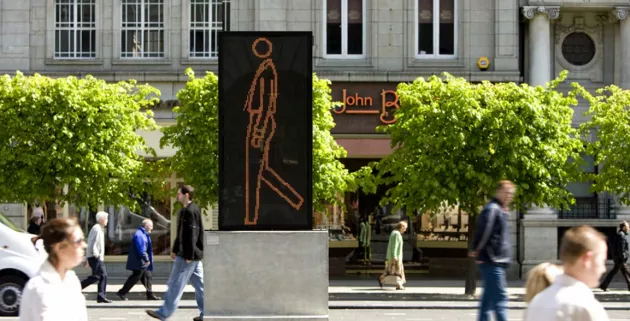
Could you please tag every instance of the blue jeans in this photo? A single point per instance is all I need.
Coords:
(494, 296)
(180, 275)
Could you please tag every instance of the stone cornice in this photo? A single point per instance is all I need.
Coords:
(552, 12)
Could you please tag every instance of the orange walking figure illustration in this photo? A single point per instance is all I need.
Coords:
(261, 106)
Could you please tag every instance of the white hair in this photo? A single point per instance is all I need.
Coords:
(101, 216)
(146, 222)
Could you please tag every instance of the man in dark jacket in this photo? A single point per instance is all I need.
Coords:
(187, 252)
(140, 261)
(620, 252)
(491, 247)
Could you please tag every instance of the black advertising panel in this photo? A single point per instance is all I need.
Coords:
(266, 130)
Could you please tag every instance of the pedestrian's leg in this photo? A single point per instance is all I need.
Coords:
(92, 278)
(146, 281)
(176, 282)
(197, 282)
(501, 297)
(131, 281)
(610, 275)
(102, 283)
(625, 271)
(486, 296)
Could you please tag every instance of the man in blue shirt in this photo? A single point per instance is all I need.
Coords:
(491, 247)
(140, 261)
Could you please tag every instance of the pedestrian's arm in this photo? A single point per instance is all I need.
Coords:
(94, 237)
(141, 248)
(189, 237)
(485, 222)
(399, 245)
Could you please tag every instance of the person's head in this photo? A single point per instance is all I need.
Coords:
(102, 218)
(401, 226)
(539, 278)
(583, 254)
(37, 218)
(623, 226)
(185, 194)
(64, 242)
(505, 192)
(147, 224)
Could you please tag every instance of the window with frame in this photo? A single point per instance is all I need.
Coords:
(344, 31)
(436, 23)
(142, 34)
(75, 29)
(207, 18)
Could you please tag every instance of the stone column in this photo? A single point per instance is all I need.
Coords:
(621, 13)
(539, 37)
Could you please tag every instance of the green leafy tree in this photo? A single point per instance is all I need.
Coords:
(453, 141)
(195, 135)
(73, 132)
(610, 123)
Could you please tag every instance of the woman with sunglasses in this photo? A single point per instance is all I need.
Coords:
(55, 292)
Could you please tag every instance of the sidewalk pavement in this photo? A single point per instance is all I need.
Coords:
(366, 294)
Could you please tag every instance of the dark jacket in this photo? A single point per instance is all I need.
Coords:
(33, 228)
(491, 239)
(189, 241)
(621, 251)
(140, 251)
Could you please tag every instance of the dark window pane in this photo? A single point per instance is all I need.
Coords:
(447, 27)
(425, 27)
(333, 27)
(355, 27)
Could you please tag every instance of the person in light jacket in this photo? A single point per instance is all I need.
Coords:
(394, 259)
(96, 257)
(55, 292)
(569, 298)
(140, 261)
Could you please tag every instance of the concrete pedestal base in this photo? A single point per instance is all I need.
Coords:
(266, 275)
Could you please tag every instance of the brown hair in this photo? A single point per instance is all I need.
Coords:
(187, 189)
(577, 241)
(56, 231)
(504, 184)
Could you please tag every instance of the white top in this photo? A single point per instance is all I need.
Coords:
(96, 243)
(48, 298)
(567, 299)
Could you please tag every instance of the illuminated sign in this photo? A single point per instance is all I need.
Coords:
(354, 103)
(265, 131)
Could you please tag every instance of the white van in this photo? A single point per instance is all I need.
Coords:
(19, 261)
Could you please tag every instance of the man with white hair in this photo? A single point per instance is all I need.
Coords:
(95, 254)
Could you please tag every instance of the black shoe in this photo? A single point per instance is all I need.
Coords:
(100, 300)
(604, 289)
(153, 314)
(152, 297)
(121, 296)
(197, 319)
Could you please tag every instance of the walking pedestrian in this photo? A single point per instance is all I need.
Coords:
(620, 254)
(583, 256)
(491, 247)
(140, 261)
(55, 292)
(96, 257)
(187, 252)
(394, 270)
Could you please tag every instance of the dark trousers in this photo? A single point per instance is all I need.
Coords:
(99, 274)
(620, 265)
(143, 276)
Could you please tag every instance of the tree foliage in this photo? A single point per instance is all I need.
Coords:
(607, 138)
(196, 139)
(454, 140)
(75, 132)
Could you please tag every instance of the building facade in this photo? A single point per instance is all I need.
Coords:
(365, 47)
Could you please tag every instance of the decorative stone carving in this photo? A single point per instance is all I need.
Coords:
(593, 70)
(552, 12)
(620, 13)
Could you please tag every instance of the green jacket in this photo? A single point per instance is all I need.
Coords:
(365, 235)
(395, 246)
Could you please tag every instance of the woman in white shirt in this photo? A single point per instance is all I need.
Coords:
(55, 292)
